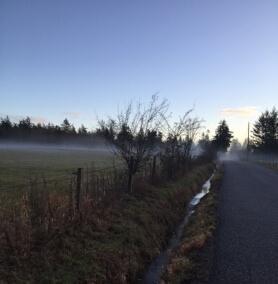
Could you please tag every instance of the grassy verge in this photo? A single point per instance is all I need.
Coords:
(268, 164)
(191, 262)
(113, 244)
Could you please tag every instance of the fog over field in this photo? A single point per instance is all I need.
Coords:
(17, 146)
(20, 161)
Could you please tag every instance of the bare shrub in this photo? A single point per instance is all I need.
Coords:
(135, 132)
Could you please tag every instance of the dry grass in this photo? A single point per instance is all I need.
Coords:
(190, 262)
(44, 239)
(269, 164)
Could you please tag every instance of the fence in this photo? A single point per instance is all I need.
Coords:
(104, 184)
(73, 190)
(38, 212)
(87, 182)
(35, 211)
(269, 160)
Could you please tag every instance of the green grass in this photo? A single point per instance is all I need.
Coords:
(18, 166)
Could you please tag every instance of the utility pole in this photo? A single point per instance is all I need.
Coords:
(248, 141)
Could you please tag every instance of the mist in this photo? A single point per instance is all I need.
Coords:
(100, 146)
(229, 156)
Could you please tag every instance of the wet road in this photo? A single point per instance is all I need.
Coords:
(247, 235)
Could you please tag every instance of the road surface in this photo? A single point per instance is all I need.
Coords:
(247, 235)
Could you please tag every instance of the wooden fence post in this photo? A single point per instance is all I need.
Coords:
(78, 189)
(154, 168)
(130, 174)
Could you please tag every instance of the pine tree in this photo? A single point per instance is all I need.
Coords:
(82, 130)
(223, 137)
(265, 132)
(67, 127)
(6, 123)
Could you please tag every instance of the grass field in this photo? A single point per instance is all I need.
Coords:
(19, 164)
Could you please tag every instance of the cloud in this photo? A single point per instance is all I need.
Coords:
(39, 119)
(72, 114)
(247, 111)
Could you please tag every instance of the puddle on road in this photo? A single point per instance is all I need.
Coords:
(156, 268)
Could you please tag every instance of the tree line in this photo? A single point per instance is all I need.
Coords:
(26, 131)
(138, 135)
(263, 138)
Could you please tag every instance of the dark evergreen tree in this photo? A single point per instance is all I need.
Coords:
(265, 132)
(67, 127)
(82, 130)
(205, 143)
(206, 147)
(223, 137)
(25, 123)
(5, 123)
(6, 127)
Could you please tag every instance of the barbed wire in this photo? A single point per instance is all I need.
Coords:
(41, 179)
(37, 177)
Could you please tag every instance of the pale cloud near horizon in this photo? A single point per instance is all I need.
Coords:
(72, 114)
(247, 111)
(39, 119)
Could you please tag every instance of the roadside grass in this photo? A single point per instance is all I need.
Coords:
(191, 261)
(113, 244)
(273, 165)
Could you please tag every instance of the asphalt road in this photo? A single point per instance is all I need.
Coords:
(247, 235)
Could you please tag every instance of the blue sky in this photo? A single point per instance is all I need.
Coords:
(80, 59)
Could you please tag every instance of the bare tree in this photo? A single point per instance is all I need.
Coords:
(180, 139)
(134, 133)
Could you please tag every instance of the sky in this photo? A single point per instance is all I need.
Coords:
(88, 58)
